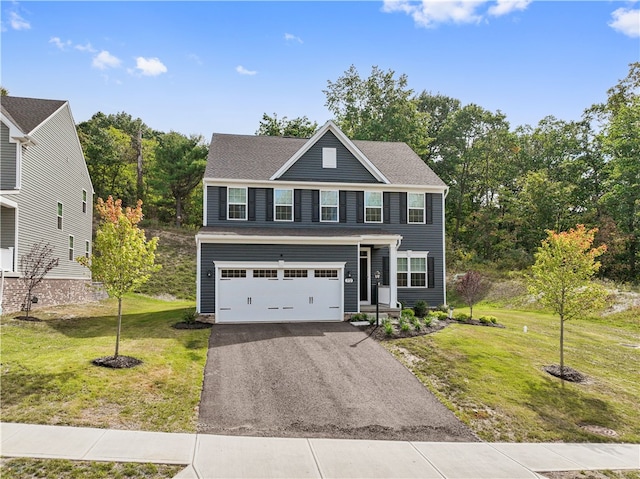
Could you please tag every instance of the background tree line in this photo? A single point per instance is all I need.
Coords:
(507, 185)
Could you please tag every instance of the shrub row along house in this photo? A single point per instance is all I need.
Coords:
(45, 195)
(296, 229)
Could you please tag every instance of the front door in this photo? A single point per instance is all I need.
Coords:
(365, 270)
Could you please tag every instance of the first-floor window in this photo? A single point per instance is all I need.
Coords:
(237, 204)
(283, 203)
(70, 248)
(87, 248)
(329, 205)
(59, 215)
(412, 271)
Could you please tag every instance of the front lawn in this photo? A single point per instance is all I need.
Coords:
(48, 378)
(493, 379)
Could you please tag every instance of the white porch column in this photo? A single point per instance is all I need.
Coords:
(393, 273)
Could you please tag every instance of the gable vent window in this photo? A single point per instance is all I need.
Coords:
(329, 158)
(416, 203)
(84, 201)
(329, 206)
(283, 204)
(373, 207)
(59, 215)
(237, 203)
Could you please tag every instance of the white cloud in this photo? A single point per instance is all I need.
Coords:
(626, 21)
(59, 43)
(430, 13)
(195, 58)
(504, 7)
(243, 71)
(292, 38)
(104, 60)
(85, 48)
(17, 22)
(150, 66)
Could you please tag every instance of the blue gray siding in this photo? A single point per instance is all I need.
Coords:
(309, 166)
(8, 160)
(250, 252)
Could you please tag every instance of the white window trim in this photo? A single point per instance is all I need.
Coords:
(409, 255)
(84, 200)
(87, 248)
(72, 247)
(246, 202)
(424, 210)
(275, 204)
(381, 206)
(60, 216)
(337, 207)
(329, 158)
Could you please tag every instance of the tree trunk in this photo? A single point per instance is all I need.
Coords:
(119, 324)
(178, 211)
(562, 349)
(27, 303)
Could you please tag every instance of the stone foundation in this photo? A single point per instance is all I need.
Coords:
(50, 292)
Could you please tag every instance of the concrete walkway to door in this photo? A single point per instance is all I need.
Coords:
(316, 380)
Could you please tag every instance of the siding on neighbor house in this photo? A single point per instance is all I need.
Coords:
(8, 160)
(7, 227)
(269, 252)
(54, 171)
(309, 166)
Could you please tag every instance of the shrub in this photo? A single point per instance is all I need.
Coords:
(443, 307)
(416, 323)
(488, 319)
(404, 326)
(407, 313)
(388, 327)
(189, 316)
(439, 315)
(359, 317)
(463, 317)
(427, 321)
(372, 319)
(421, 308)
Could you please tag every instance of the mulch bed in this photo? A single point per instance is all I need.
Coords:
(436, 325)
(28, 318)
(120, 362)
(196, 325)
(570, 374)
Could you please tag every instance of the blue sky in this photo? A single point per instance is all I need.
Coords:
(204, 67)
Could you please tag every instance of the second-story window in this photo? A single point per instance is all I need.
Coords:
(283, 204)
(70, 248)
(415, 204)
(373, 207)
(329, 206)
(59, 215)
(237, 204)
(84, 201)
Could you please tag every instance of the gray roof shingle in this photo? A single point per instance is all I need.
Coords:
(28, 113)
(250, 157)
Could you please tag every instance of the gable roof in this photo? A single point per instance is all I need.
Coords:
(28, 113)
(263, 158)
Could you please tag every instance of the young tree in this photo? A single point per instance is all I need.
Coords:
(472, 287)
(122, 257)
(561, 276)
(34, 266)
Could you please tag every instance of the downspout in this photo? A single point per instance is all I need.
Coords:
(1, 288)
(398, 304)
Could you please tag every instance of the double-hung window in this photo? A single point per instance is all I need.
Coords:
(416, 207)
(373, 206)
(87, 248)
(84, 201)
(283, 205)
(412, 270)
(329, 206)
(70, 248)
(237, 203)
(59, 215)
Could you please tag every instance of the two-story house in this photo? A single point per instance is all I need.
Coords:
(45, 195)
(296, 229)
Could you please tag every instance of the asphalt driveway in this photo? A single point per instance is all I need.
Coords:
(315, 380)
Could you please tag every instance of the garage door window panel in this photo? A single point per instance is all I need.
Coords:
(233, 273)
(265, 273)
(295, 273)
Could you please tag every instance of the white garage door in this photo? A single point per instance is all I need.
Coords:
(259, 293)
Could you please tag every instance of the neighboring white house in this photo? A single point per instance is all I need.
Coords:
(45, 195)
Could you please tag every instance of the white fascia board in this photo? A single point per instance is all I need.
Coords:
(279, 264)
(319, 185)
(8, 203)
(303, 240)
(330, 125)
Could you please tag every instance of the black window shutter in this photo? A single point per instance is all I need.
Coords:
(252, 204)
(342, 213)
(360, 206)
(222, 203)
(385, 271)
(386, 207)
(269, 202)
(315, 206)
(403, 208)
(297, 205)
(431, 273)
(429, 204)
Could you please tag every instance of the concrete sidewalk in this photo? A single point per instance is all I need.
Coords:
(209, 456)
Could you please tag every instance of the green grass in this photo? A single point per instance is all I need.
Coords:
(64, 469)
(48, 378)
(493, 378)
